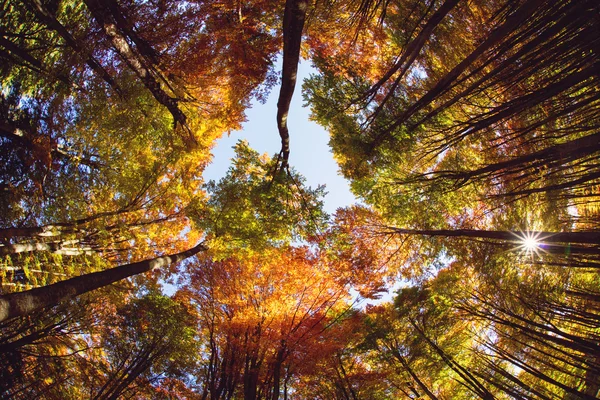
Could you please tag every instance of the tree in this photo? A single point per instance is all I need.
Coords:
(469, 130)
(49, 352)
(23, 303)
(499, 330)
(468, 127)
(257, 205)
(102, 180)
(260, 316)
(261, 301)
(150, 340)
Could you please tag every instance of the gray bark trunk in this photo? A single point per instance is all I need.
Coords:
(23, 303)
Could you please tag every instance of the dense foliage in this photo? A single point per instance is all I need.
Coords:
(469, 131)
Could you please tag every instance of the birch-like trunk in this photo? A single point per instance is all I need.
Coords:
(23, 303)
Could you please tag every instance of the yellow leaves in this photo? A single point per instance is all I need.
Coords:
(280, 289)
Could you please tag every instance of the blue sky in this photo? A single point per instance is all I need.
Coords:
(309, 154)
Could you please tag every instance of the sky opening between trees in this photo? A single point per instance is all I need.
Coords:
(469, 132)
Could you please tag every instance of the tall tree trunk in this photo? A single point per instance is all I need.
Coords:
(561, 153)
(293, 24)
(413, 374)
(23, 303)
(470, 380)
(591, 386)
(496, 36)
(49, 19)
(33, 233)
(587, 237)
(409, 55)
(12, 50)
(277, 366)
(66, 248)
(147, 74)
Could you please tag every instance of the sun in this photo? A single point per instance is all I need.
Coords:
(529, 243)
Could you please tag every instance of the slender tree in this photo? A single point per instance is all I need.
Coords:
(23, 303)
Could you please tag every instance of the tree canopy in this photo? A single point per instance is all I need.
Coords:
(469, 267)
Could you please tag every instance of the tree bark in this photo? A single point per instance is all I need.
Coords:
(46, 16)
(293, 24)
(145, 73)
(23, 303)
(587, 237)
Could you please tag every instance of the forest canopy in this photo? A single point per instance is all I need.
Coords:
(469, 268)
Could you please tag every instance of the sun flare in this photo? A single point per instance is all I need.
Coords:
(529, 243)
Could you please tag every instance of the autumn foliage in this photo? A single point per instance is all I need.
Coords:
(467, 269)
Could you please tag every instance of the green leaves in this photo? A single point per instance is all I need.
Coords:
(334, 105)
(474, 119)
(254, 206)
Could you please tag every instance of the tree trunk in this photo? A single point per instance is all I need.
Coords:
(415, 377)
(587, 237)
(409, 55)
(23, 303)
(470, 381)
(293, 24)
(560, 153)
(277, 366)
(31, 62)
(495, 37)
(137, 63)
(43, 14)
(66, 248)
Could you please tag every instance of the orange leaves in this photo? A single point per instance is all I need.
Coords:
(224, 59)
(279, 285)
(348, 47)
(363, 256)
(273, 307)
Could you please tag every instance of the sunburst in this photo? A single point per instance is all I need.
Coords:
(529, 243)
